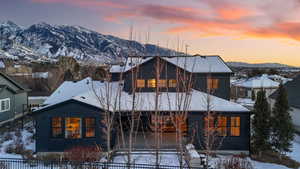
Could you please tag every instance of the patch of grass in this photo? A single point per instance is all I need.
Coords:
(273, 157)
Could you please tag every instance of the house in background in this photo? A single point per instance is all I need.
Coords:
(13, 98)
(73, 113)
(293, 91)
(244, 88)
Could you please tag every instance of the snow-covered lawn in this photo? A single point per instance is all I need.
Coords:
(11, 139)
(166, 158)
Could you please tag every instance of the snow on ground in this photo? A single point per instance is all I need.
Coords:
(260, 165)
(166, 158)
(295, 154)
(11, 138)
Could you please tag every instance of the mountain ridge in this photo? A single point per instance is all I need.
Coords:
(46, 41)
(258, 65)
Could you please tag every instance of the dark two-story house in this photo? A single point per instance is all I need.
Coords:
(153, 88)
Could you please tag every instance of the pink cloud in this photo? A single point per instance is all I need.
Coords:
(220, 18)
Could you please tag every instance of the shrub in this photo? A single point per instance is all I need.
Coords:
(7, 136)
(83, 154)
(18, 133)
(234, 163)
(10, 149)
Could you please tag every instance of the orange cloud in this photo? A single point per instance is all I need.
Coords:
(289, 30)
(233, 13)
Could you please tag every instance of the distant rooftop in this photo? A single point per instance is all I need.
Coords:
(257, 82)
(195, 64)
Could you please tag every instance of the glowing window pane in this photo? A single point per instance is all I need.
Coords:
(73, 127)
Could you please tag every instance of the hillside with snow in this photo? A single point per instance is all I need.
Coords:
(47, 41)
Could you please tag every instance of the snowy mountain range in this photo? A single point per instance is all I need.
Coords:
(47, 41)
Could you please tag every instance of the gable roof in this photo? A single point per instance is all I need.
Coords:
(3, 87)
(13, 81)
(193, 64)
(95, 92)
(293, 91)
(257, 82)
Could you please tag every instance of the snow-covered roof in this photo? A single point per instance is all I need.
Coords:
(196, 64)
(96, 93)
(69, 89)
(257, 82)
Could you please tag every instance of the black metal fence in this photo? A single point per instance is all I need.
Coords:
(39, 164)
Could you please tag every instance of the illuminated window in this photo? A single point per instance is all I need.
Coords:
(56, 125)
(73, 127)
(162, 83)
(151, 83)
(140, 83)
(173, 83)
(222, 125)
(90, 127)
(212, 83)
(215, 126)
(235, 126)
(209, 125)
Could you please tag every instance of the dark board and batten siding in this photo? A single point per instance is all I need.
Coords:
(147, 71)
(233, 143)
(44, 140)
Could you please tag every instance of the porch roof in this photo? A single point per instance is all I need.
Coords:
(110, 96)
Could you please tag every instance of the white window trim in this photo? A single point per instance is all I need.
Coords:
(4, 110)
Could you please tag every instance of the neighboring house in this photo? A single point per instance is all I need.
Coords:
(245, 87)
(73, 113)
(13, 98)
(293, 91)
(279, 79)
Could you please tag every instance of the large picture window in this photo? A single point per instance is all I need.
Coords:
(5, 105)
(215, 126)
(56, 125)
(222, 126)
(90, 127)
(235, 126)
(73, 127)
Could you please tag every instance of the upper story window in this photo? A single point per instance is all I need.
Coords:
(90, 127)
(162, 83)
(235, 126)
(172, 83)
(5, 105)
(140, 83)
(212, 83)
(151, 83)
(73, 127)
(56, 127)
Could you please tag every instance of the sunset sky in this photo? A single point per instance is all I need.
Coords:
(237, 30)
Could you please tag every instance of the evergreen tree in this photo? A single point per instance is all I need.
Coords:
(282, 127)
(261, 124)
(253, 95)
